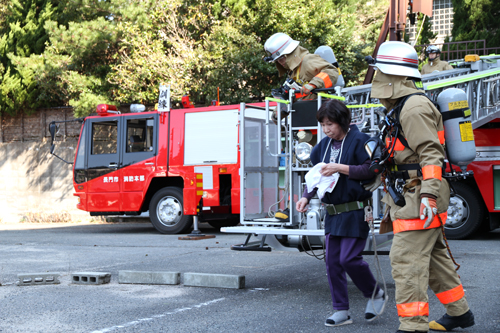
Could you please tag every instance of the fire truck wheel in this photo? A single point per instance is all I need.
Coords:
(166, 212)
(465, 212)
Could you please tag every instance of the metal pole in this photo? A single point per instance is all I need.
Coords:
(195, 227)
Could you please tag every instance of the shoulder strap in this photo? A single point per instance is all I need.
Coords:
(397, 115)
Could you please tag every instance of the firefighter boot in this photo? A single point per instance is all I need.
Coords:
(447, 323)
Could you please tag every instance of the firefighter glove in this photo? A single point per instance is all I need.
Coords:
(428, 209)
(374, 184)
(306, 89)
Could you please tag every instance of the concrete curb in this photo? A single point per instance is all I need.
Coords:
(214, 280)
(147, 277)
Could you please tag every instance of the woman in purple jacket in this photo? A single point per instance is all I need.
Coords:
(346, 230)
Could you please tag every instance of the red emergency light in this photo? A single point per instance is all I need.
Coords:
(105, 109)
(186, 103)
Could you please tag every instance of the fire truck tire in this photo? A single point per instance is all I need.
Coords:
(166, 212)
(465, 212)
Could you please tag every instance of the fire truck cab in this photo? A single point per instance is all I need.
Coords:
(130, 163)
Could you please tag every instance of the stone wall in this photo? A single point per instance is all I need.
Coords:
(32, 181)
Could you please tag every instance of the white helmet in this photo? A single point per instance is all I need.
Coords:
(277, 45)
(326, 53)
(397, 58)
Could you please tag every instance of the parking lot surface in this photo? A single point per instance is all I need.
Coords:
(284, 291)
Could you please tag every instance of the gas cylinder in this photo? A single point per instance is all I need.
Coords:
(458, 134)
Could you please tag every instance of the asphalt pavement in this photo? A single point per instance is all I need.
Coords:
(284, 291)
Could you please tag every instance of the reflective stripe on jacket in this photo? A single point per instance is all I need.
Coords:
(310, 68)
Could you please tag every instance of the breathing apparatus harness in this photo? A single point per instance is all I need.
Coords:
(381, 161)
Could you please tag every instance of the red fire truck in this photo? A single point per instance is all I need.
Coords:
(131, 163)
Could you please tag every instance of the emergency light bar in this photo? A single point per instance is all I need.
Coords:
(106, 109)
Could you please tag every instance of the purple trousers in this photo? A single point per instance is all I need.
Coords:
(343, 255)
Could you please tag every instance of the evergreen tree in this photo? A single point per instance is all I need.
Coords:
(213, 43)
(101, 51)
(476, 19)
(22, 34)
(83, 39)
(426, 37)
(424, 25)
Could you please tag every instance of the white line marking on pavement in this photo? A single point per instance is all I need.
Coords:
(138, 321)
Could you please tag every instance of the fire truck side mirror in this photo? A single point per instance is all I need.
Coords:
(52, 149)
(52, 130)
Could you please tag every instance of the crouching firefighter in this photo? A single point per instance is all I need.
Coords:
(413, 133)
(306, 70)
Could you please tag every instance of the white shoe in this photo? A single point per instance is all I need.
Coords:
(341, 317)
(375, 307)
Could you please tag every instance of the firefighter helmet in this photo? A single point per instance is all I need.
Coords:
(432, 49)
(278, 45)
(326, 53)
(397, 58)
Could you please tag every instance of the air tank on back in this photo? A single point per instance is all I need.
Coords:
(326, 53)
(459, 137)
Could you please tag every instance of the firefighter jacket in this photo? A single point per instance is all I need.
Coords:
(305, 67)
(422, 127)
(435, 65)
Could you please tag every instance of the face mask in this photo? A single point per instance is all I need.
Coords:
(389, 88)
(382, 87)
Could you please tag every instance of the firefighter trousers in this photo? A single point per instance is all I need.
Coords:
(419, 259)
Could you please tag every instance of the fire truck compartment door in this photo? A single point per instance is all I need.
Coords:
(211, 137)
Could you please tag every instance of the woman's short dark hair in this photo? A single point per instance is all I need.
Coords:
(336, 112)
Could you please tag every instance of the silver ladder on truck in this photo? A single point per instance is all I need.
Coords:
(263, 145)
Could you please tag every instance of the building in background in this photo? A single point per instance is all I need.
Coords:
(442, 21)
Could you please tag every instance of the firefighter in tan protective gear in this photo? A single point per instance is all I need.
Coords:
(418, 255)
(309, 70)
(434, 64)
